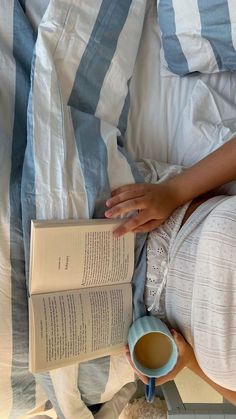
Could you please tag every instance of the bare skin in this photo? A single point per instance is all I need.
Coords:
(187, 359)
(154, 203)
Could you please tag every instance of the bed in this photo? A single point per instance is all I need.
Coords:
(83, 95)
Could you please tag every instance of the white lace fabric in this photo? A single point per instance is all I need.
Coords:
(158, 249)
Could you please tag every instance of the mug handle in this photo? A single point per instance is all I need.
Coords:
(150, 390)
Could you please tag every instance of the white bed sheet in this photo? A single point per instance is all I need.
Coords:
(174, 119)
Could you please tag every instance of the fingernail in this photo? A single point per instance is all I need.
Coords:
(108, 214)
(108, 203)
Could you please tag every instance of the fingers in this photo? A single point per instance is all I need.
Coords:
(137, 225)
(139, 187)
(124, 196)
(125, 207)
(162, 380)
(142, 377)
(179, 340)
(131, 224)
(170, 376)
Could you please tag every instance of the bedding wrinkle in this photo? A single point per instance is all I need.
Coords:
(35, 11)
(76, 32)
(16, 379)
(73, 151)
(146, 135)
(69, 394)
(197, 131)
(160, 132)
(117, 375)
(83, 149)
(61, 127)
(109, 135)
(188, 28)
(115, 78)
(113, 17)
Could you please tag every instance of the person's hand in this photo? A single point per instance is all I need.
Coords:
(153, 204)
(185, 358)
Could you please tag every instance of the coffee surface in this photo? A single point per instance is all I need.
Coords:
(153, 350)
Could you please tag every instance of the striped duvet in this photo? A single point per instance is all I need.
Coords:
(64, 104)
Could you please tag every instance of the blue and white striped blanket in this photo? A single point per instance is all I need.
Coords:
(64, 105)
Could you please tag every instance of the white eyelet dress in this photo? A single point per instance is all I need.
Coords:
(158, 245)
(160, 240)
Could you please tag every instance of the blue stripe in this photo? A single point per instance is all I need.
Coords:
(29, 213)
(93, 159)
(46, 382)
(23, 383)
(122, 124)
(173, 52)
(215, 22)
(28, 179)
(98, 55)
(138, 280)
(98, 369)
(22, 3)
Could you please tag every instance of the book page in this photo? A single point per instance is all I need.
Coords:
(69, 327)
(73, 256)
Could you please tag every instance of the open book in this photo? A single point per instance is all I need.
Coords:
(80, 296)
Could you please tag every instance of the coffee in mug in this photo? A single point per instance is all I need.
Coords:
(153, 350)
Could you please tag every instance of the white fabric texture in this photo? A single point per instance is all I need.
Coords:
(160, 240)
(158, 244)
(166, 113)
(201, 287)
(214, 296)
(7, 105)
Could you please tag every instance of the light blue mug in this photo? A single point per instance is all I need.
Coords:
(152, 349)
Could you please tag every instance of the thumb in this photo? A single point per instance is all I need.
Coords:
(179, 340)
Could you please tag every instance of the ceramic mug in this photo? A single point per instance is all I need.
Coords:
(152, 349)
